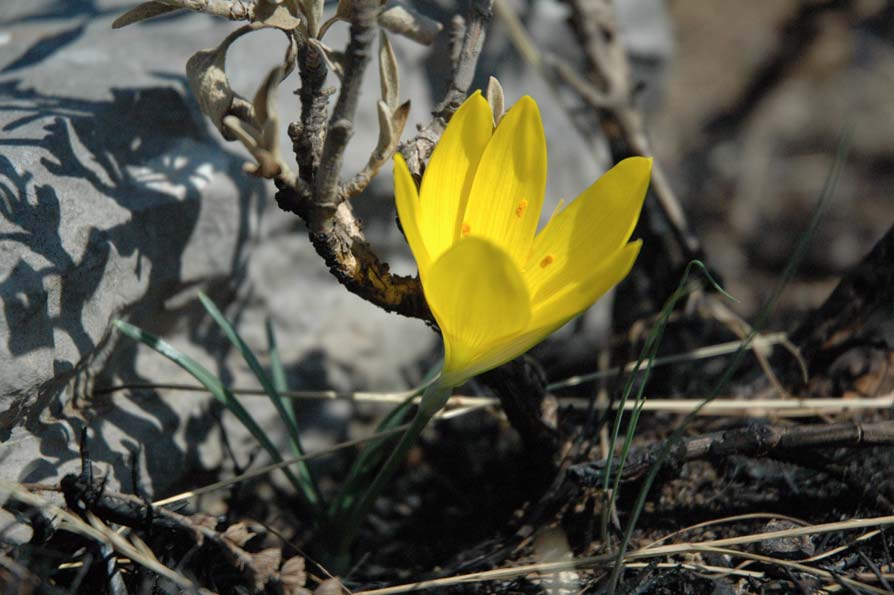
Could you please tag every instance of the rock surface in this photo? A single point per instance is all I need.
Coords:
(118, 200)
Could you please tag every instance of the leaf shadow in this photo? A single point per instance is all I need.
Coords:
(144, 151)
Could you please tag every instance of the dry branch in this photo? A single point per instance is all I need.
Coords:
(612, 95)
(100, 533)
(468, 39)
(334, 231)
(772, 441)
(319, 199)
(867, 290)
(520, 385)
(603, 561)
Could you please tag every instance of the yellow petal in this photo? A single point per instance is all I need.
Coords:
(407, 200)
(577, 296)
(548, 317)
(593, 226)
(449, 175)
(507, 193)
(477, 296)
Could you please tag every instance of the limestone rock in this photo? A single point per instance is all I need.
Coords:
(118, 200)
(115, 201)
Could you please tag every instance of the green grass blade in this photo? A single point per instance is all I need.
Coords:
(374, 452)
(433, 399)
(370, 457)
(763, 316)
(277, 371)
(214, 386)
(308, 486)
(648, 354)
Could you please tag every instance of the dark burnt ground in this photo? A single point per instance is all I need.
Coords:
(748, 133)
(474, 496)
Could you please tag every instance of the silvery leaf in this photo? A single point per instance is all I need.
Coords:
(313, 12)
(389, 79)
(495, 99)
(142, 12)
(409, 23)
(386, 131)
(206, 73)
(280, 16)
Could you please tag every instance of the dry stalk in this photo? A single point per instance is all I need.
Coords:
(716, 546)
(259, 471)
(760, 441)
(101, 533)
(320, 200)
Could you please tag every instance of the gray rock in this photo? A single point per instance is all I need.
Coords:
(115, 201)
(118, 200)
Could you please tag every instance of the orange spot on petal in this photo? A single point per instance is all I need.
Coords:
(546, 261)
(520, 209)
(466, 230)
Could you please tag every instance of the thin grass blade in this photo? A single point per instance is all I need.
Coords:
(277, 370)
(374, 452)
(763, 316)
(370, 457)
(214, 386)
(308, 485)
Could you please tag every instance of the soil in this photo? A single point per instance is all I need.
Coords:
(756, 101)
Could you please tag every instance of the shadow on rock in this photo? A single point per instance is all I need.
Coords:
(101, 203)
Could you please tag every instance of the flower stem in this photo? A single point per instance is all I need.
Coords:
(433, 399)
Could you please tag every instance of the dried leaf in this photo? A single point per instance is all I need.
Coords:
(399, 119)
(265, 97)
(495, 99)
(145, 11)
(292, 29)
(409, 23)
(313, 12)
(290, 60)
(243, 131)
(265, 564)
(343, 12)
(261, 136)
(386, 130)
(292, 575)
(391, 126)
(389, 80)
(238, 534)
(280, 16)
(206, 73)
(330, 586)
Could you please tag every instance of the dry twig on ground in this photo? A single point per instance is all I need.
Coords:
(756, 441)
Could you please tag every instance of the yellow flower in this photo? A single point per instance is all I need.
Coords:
(495, 288)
